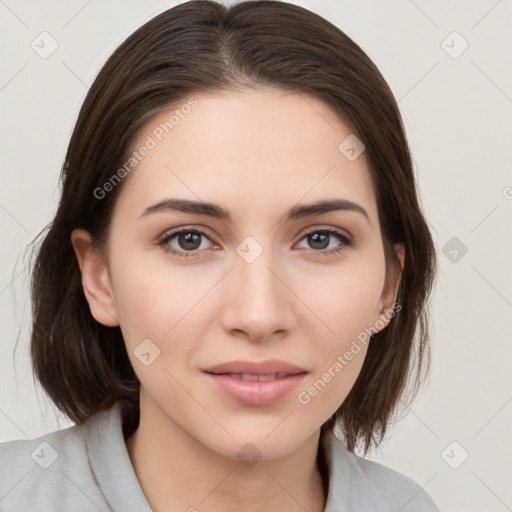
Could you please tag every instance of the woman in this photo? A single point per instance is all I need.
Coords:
(238, 268)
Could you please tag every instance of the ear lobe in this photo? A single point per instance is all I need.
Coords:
(95, 279)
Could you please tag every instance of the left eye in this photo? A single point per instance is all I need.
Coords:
(320, 239)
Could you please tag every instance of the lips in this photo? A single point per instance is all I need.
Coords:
(255, 384)
(251, 377)
(264, 368)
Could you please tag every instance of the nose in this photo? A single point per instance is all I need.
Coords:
(256, 302)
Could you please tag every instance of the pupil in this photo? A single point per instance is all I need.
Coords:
(315, 237)
(189, 240)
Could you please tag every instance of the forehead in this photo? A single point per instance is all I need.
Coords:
(262, 149)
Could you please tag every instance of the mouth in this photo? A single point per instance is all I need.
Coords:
(249, 377)
(270, 367)
(253, 383)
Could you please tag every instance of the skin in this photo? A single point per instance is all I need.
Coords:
(256, 153)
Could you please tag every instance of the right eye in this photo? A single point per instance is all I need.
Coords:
(189, 239)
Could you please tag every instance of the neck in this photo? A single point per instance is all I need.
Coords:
(176, 472)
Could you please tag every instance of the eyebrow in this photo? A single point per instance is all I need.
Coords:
(215, 211)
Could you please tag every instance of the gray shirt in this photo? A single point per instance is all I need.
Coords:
(87, 468)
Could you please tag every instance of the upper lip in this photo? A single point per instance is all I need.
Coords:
(268, 367)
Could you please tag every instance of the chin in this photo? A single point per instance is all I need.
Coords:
(252, 445)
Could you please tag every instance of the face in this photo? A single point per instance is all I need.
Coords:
(266, 280)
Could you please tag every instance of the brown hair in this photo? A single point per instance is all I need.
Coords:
(203, 45)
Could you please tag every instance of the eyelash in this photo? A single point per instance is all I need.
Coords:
(346, 242)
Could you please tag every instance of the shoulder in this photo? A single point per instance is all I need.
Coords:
(48, 473)
(373, 486)
(43, 449)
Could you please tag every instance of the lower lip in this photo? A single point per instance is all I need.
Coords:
(256, 392)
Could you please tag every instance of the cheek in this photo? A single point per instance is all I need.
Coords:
(160, 301)
(346, 301)
(346, 304)
(162, 320)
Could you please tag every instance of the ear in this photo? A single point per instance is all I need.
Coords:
(95, 279)
(387, 301)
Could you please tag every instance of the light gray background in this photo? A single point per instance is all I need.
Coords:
(458, 116)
